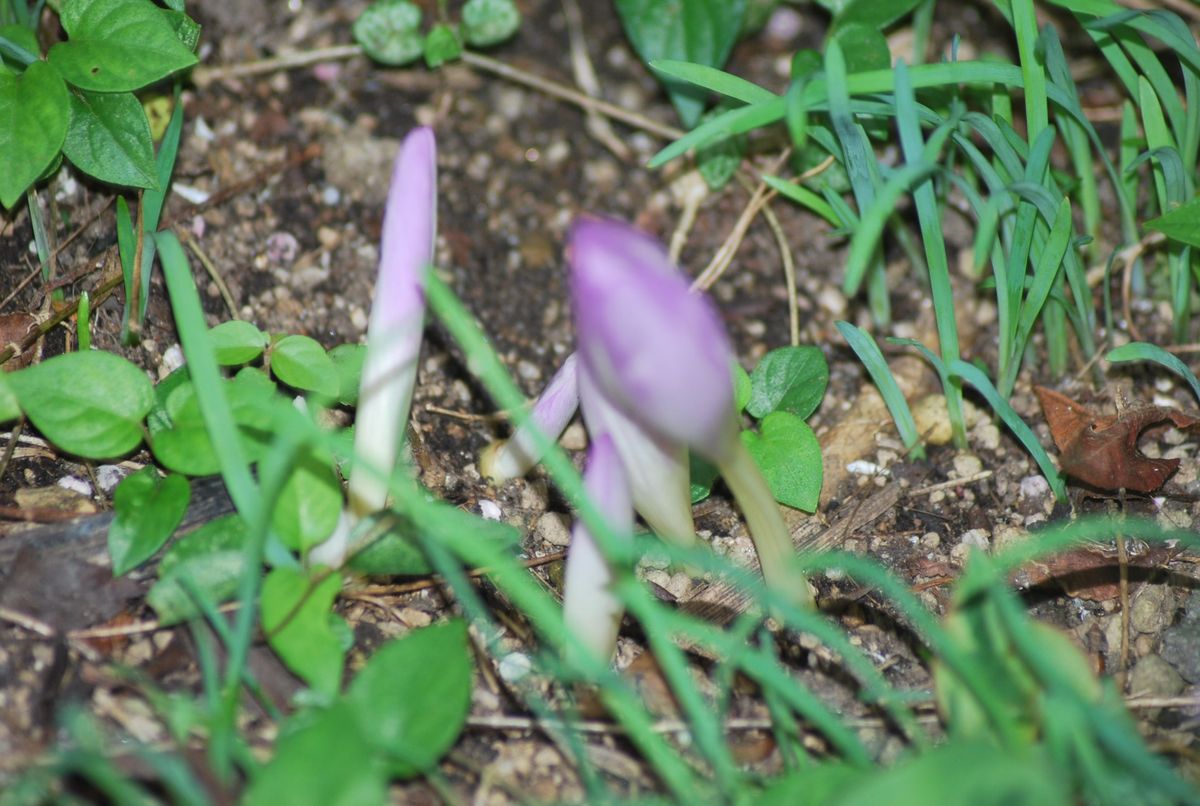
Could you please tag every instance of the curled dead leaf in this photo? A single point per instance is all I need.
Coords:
(1101, 450)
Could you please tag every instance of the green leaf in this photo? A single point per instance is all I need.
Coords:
(322, 758)
(302, 363)
(179, 438)
(718, 161)
(875, 14)
(147, 509)
(1181, 224)
(1142, 351)
(296, 620)
(869, 354)
(310, 503)
(210, 557)
(441, 46)
(789, 455)
(412, 697)
(701, 31)
(109, 138)
(390, 32)
(394, 553)
(702, 474)
(89, 404)
(865, 48)
(791, 379)
(117, 45)
(10, 408)
(237, 342)
(489, 22)
(348, 361)
(35, 108)
(398, 552)
(743, 387)
(18, 36)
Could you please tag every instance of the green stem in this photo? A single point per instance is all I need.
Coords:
(770, 534)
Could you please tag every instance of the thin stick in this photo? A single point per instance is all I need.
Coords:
(585, 76)
(288, 61)
(945, 485)
(565, 93)
(217, 279)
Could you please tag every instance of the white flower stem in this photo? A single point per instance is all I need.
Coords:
(771, 539)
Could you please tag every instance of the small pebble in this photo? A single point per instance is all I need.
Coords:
(490, 510)
(109, 476)
(552, 527)
(967, 465)
(1150, 610)
(515, 666)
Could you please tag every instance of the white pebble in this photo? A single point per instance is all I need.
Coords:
(490, 510)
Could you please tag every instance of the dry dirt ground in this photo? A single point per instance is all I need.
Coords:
(294, 165)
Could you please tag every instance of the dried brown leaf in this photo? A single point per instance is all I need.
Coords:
(1101, 450)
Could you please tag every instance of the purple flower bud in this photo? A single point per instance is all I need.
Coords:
(657, 470)
(397, 320)
(591, 611)
(554, 409)
(393, 334)
(653, 348)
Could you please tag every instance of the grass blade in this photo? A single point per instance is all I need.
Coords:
(872, 358)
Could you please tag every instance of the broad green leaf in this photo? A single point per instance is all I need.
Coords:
(390, 32)
(701, 31)
(296, 613)
(117, 45)
(789, 455)
(412, 697)
(398, 552)
(146, 510)
(310, 503)
(865, 48)
(702, 474)
(441, 46)
(1181, 224)
(302, 363)
(791, 379)
(186, 29)
(180, 439)
(489, 22)
(89, 404)
(210, 557)
(874, 14)
(10, 408)
(394, 553)
(109, 138)
(35, 108)
(322, 758)
(237, 342)
(348, 361)
(743, 388)
(18, 36)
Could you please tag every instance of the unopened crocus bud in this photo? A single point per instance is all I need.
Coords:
(591, 611)
(551, 414)
(393, 335)
(655, 350)
(658, 354)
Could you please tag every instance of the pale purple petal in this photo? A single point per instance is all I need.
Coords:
(657, 470)
(551, 414)
(591, 611)
(655, 349)
(397, 320)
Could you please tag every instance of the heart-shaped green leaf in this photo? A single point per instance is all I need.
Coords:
(117, 45)
(308, 506)
(348, 360)
(302, 363)
(413, 695)
(146, 510)
(210, 558)
(237, 342)
(789, 456)
(90, 404)
(296, 619)
(35, 108)
(322, 758)
(109, 138)
(791, 379)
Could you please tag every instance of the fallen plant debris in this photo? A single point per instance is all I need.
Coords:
(1101, 451)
